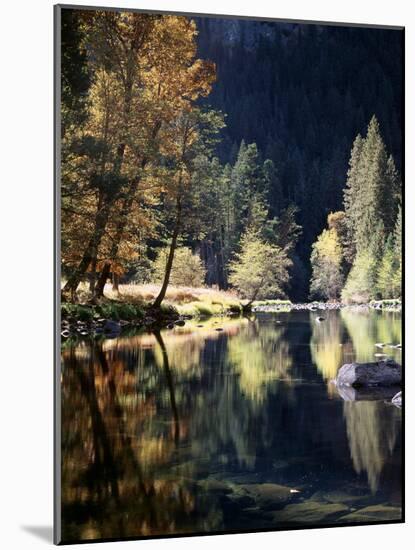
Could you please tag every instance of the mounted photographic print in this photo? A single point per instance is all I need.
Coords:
(229, 205)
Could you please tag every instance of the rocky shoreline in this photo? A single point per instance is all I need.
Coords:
(89, 321)
(381, 305)
(110, 319)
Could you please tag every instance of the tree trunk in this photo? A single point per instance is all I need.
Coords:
(169, 265)
(255, 294)
(99, 287)
(170, 385)
(90, 253)
(128, 204)
(93, 276)
(115, 282)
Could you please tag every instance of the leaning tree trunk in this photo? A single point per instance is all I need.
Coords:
(170, 385)
(121, 224)
(173, 245)
(102, 279)
(253, 298)
(115, 282)
(90, 253)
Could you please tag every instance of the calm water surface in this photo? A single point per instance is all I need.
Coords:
(203, 430)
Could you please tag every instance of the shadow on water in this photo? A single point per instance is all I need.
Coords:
(199, 429)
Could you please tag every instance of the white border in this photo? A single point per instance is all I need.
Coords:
(26, 286)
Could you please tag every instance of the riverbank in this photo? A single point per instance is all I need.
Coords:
(270, 306)
(131, 306)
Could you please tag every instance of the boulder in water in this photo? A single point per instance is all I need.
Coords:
(365, 393)
(381, 373)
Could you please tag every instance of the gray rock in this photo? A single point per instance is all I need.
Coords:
(382, 373)
(397, 399)
(366, 393)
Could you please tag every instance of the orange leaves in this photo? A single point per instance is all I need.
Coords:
(145, 81)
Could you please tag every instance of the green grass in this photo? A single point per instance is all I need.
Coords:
(132, 300)
(205, 308)
(109, 310)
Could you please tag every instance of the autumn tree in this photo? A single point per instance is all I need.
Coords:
(145, 73)
(192, 133)
(326, 259)
(260, 269)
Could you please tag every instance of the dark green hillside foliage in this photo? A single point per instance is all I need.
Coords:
(302, 93)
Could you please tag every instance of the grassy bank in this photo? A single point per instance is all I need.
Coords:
(131, 302)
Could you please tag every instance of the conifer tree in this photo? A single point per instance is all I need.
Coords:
(361, 281)
(386, 280)
(397, 234)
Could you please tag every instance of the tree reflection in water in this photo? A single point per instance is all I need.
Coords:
(149, 420)
(372, 428)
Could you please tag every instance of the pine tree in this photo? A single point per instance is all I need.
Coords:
(360, 285)
(371, 200)
(273, 188)
(385, 283)
(352, 196)
(397, 276)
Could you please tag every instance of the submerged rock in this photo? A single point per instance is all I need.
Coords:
(377, 512)
(311, 511)
(382, 373)
(213, 485)
(267, 494)
(337, 497)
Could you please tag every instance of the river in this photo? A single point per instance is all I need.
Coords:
(227, 424)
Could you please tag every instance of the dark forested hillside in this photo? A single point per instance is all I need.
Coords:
(302, 93)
